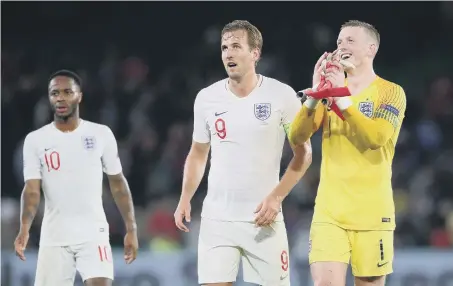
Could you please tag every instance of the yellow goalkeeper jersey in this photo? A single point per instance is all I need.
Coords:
(355, 190)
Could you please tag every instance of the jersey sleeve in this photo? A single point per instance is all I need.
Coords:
(111, 162)
(392, 106)
(32, 163)
(291, 107)
(200, 126)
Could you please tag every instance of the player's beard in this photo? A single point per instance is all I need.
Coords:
(72, 108)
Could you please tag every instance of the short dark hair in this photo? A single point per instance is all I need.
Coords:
(67, 73)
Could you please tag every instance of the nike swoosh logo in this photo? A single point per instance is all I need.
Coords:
(283, 277)
(381, 264)
(220, 113)
(46, 149)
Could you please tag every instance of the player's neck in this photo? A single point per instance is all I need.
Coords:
(68, 124)
(245, 85)
(361, 77)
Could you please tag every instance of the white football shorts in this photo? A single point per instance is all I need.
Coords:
(263, 250)
(57, 265)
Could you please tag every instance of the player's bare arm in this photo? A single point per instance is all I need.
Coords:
(194, 169)
(268, 209)
(30, 198)
(123, 199)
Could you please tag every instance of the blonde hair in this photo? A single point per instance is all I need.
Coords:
(370, 29)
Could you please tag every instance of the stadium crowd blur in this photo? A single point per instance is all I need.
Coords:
(143, 64)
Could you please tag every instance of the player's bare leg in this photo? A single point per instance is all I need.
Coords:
(219, 284)
(369, 281)
(328, 273)
(99, 281)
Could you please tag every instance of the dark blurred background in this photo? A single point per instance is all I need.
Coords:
(143, 63)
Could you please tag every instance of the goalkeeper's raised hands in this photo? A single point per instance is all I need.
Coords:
(334, 74)
(317, 73)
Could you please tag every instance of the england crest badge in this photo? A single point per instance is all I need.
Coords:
(366, 107)
(262, 111)
(89, 142)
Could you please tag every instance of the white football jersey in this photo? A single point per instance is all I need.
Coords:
(246, 136)
(70, 165)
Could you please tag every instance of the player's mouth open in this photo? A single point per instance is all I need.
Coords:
(62, 108)
(231, 65)
(345, 56)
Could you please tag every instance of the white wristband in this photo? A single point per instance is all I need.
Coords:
(311, 103)
(343, 103)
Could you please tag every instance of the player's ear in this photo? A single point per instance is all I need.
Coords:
(372, 50)
(80, 98)
(256, 54)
